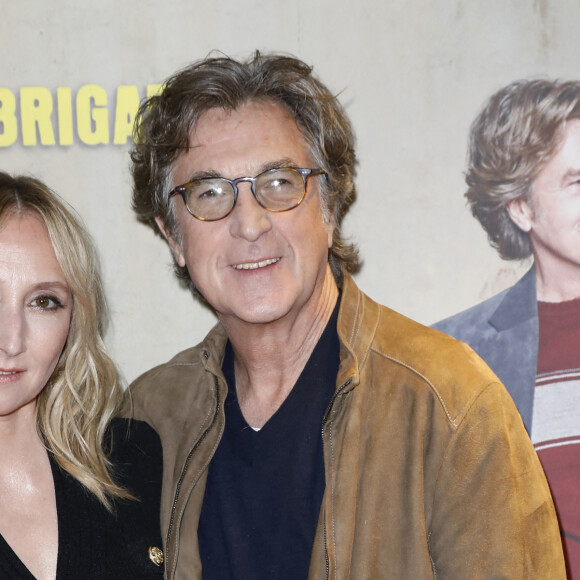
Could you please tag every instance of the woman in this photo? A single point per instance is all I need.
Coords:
(79, 492)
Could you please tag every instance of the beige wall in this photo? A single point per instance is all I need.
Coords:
(413, 74)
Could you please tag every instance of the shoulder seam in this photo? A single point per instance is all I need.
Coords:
(468, 404)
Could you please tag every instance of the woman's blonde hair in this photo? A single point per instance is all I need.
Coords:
(75, 407)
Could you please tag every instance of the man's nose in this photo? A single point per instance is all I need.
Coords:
(12, 331)
(249, 220)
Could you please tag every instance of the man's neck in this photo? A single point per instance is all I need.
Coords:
(557, 284)
(269, 358)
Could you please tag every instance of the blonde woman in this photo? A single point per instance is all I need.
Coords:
(79, 490)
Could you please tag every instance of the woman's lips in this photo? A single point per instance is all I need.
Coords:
(10, 375)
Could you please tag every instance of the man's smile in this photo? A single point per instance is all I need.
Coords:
(255, 265)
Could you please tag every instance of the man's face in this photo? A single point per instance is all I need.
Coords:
(552, 217)
(254, 265)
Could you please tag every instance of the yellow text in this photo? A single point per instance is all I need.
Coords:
(35, 115)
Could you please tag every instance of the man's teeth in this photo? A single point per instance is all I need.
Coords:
(256, 265)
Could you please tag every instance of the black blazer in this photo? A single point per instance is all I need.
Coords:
(95, 544)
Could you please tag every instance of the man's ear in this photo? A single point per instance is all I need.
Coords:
(520, 213)
(330, 231)
(176, 249)
(329, 225)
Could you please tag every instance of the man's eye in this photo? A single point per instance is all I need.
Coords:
(280, 182)
(209, 193)
(203, 191)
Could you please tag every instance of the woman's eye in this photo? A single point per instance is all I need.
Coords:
(46, 303)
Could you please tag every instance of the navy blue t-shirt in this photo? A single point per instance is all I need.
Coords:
(264, 488)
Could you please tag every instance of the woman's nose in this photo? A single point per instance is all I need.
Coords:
(12, 331)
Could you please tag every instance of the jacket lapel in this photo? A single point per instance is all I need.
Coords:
(515, 344)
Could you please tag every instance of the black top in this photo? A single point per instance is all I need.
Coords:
(265, 488)
(93, 543)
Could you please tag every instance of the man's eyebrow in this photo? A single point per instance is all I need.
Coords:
(206, 174)
(212, 174)
(284, 162)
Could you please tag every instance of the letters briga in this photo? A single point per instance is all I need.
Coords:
(41, 117)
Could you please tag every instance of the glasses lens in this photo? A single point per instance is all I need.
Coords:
(210, 199)
(280, 189)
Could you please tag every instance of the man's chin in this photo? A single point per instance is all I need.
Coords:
(262, 312)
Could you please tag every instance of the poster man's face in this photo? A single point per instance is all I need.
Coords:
(254, 265)
(552, 217)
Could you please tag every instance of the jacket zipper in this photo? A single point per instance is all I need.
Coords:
(186, 465)
(324, 420)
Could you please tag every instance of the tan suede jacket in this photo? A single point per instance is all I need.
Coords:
(429, 470)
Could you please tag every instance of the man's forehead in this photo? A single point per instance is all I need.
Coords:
(563, 166)
(247, 138)
(218, 119)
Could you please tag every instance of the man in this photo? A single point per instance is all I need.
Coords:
(313, 433)
(524, 188)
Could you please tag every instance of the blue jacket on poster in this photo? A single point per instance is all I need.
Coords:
(504, 331)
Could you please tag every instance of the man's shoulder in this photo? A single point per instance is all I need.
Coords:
(432, 357)
(179, 379)
(437, 357)
(429, 363)
(176, 366)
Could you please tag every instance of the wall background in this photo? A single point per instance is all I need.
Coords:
(412, 73)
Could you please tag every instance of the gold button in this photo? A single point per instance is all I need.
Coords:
(156, 555)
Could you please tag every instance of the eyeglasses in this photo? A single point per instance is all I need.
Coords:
(213, 198)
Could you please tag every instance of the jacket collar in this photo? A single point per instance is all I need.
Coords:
(213, 348)
(519, 305)
(358, 319)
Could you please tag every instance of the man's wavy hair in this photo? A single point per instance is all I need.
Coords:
(164, 123)
(518, 131)
(75, 407)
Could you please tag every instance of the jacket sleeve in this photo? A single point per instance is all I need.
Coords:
(492, 513)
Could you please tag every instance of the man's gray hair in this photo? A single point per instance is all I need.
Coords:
(164, 123)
